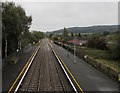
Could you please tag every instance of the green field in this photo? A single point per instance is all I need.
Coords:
(115, 65)
(101, 56)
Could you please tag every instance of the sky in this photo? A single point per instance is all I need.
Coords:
(50, 16)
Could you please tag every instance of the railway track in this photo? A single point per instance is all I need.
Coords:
(32, 80)
(45, 73)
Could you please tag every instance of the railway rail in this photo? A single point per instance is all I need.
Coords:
(45, 72)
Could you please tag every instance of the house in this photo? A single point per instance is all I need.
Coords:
(78, 41)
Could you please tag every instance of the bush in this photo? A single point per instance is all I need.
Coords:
(97, 41)
(114, 45)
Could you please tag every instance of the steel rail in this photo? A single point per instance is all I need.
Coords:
(64, 70)
(26, 71)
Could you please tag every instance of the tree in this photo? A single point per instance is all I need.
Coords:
(91, 42)
(65, 33)
(8, 13)
(24, 23)
(15, 23)
(72, 35)
(106, 33)
(51, 35)
(79, 35)
(36, 36)
(100, 43)
(113, 45)
(96, 41)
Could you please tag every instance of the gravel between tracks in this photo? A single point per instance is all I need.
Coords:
(45, 73)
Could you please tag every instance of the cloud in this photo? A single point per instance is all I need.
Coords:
(50, 16)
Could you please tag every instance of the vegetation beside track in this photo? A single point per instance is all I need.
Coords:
(15, 30)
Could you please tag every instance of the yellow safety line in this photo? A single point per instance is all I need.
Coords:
(21, 71)
(70, 73)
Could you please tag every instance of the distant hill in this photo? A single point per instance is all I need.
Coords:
(90, 29)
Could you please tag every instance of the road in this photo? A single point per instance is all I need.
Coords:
(88, 77)
(45, 73)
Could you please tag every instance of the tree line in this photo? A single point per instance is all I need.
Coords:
(15, 28)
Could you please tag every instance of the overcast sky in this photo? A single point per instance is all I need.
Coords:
(49, 16)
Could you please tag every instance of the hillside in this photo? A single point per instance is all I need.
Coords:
(90, 29)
